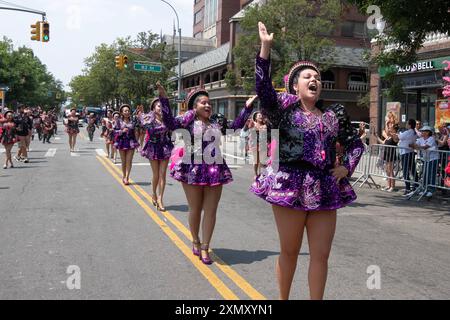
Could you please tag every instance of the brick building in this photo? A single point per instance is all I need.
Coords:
(345, 82)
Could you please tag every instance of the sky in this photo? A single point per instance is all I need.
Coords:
(78, 26)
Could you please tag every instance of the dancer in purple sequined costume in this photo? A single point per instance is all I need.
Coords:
(202, 182)
(157, 148)
(125, 141)
(309, 185)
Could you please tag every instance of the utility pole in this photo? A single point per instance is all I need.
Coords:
(179, 51)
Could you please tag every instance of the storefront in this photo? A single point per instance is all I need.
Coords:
(420, 94)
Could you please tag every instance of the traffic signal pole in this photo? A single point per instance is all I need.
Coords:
(43, 14)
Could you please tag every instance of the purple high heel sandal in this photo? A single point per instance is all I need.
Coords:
(206, 260)
(196, 251)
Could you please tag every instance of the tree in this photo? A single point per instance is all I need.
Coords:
(407, 24)
(300, 28)
(28, 79)
(101, 82)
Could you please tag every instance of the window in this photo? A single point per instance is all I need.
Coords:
(353, 29)
(360, 30)
(198, 17)
(347, 28)
(210, 16)
(198, 35)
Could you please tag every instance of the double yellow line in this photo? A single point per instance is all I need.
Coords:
(215, 281)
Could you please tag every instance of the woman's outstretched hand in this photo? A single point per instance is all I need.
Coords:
(250, 101)
(266, 41)
(161, 90)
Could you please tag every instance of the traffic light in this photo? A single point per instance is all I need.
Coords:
(125, 61)
(45, 26)
(36, 31)
(119, 62)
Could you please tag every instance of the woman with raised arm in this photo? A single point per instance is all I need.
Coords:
(309, 185)
(157, 149)
(202, 179)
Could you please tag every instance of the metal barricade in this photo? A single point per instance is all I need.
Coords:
(422, 172)
(435, 174)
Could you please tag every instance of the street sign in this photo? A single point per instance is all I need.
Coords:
(146, 67)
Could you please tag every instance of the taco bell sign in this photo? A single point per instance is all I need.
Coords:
(416, 67)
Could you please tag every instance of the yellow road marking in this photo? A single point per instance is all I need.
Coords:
(204, 270)
(246, 287)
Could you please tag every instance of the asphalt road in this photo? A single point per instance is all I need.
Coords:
(64, 210)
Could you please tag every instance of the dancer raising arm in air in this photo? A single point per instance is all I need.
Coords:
(202, 182)
(309, 186)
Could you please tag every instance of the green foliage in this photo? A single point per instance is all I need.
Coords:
(101, 82)
(27, 78)
(407, 24)
(300, 28)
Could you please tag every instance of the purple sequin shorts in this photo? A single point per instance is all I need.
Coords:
(202, 174)
(303, 189)
(157, 151)
(125, 143)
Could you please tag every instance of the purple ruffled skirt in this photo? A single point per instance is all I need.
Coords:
(157, 151)
(303, 189)
(126, 143)
(202, 174)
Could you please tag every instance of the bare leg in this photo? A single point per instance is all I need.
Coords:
(291, 225)
(123, 158)
(211, 200)
(108, 149)
(390, 173)
(74, 141)
(162, 181)
(321, 228)
(194, 196)
(155, 179)
(129, 159)
(8, 152)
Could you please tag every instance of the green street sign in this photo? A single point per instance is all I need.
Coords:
(148, 67)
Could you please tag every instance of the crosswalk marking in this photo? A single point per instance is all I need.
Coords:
(74, 154)
(2, 150)
(50, 153)
(57, 138)
(138, 164)
(101, 152)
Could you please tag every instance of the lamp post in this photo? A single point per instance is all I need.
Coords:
(179, 49)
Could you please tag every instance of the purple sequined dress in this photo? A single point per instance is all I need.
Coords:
(125, 140)
(158, 141)
(193, 169)
(301, 179)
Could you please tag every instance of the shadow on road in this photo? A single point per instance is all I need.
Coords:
(182, 208)
(232, 257)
